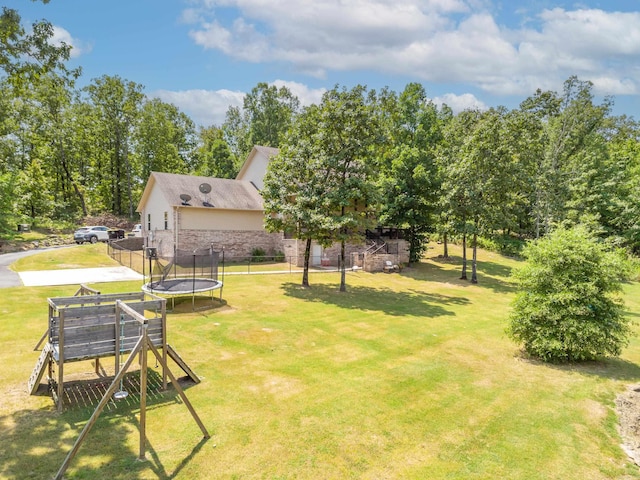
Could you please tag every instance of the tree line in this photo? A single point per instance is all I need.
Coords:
(356, 159)
(491, 177)
(68, 152)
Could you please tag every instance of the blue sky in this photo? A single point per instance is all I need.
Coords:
(204, 55)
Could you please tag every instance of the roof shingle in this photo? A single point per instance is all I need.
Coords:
(225, 193)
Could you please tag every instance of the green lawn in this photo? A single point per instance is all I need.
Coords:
(404, 376)
(77, 256)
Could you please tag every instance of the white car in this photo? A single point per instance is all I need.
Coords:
(91, 234)
(137, 230)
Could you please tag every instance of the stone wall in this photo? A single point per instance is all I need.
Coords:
(235, 243)
(294, 252)
(129, 243)
(240, 243)
(375, 262)
(332, 253)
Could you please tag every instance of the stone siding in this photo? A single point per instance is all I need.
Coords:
(240, 243)
(235, 243)
(294, 252)
(375, 262)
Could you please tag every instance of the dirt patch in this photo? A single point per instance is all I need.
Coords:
(628, 410)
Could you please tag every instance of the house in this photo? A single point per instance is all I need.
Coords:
(185, 212)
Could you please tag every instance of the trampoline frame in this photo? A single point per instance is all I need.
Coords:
(151, 285)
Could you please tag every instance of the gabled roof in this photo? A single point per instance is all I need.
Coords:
(267, 152)
(225, 193)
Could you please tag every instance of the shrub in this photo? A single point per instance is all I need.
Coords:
(503, 244)
(567, 307)
(258, 255)
(279, 256)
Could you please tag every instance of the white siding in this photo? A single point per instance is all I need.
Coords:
(221, 220)
(256, 169)
(156, 205)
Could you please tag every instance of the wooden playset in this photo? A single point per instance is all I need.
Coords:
(92, 326)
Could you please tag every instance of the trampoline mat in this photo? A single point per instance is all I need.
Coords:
(178, 286)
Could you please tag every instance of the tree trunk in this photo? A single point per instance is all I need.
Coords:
(129, 179)
(70, 179)
(464, 257)
(474, 276)
(446, 245)
(414, 246)
(343, 272)
(305, 271)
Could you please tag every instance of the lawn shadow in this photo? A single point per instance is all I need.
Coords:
(608, 368)
(408, 302)
(38, 441)
(491, 275)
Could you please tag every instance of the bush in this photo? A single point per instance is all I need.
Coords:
(258, 255)
(503, 244)
(279, 256)
(567, 307)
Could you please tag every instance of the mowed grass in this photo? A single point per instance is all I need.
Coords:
(403, 376)
(78, 256)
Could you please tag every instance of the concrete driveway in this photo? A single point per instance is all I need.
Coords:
(9, 278)
(76, 276)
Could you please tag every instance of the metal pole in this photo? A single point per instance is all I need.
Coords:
(143, 391)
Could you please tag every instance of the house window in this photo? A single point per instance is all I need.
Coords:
(166, 220)
(148, 222)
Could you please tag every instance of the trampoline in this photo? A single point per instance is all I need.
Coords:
(186, 273)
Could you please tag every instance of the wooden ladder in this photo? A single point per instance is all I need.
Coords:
(39, 369)
(182, 364)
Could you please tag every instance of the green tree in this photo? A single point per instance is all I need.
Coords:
(265, 117)
(213, 155)
(24, 57)
(620, 220)
(33, 193)
(53, 140)
(344, 146)
(236, 133)
(321, 185)
(569, 124)
(164, 139)
(568, 308)
(117, 106)
(294, 187)
(458, 205)
(408, 175)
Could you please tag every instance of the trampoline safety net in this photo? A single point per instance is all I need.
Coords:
(186, 264)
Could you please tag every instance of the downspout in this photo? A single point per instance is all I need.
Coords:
(176, 222)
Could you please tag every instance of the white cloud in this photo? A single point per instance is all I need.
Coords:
(306, 95)
(209, 107)
(458, 103)
(205, 107)
(77, 46)
(445, 41)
